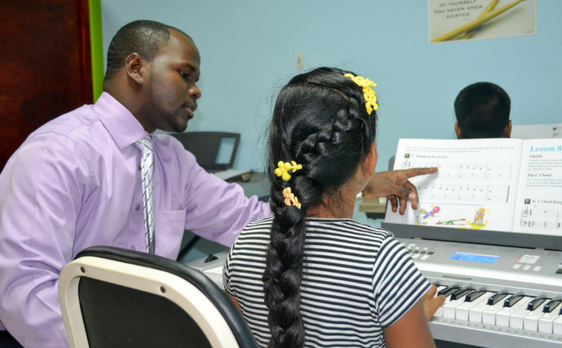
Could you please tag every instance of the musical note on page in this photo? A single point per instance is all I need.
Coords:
(541, 218)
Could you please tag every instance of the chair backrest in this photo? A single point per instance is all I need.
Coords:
(111, 297)
(205, 146)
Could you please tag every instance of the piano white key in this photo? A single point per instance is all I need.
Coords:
(531, 320)
(439, 312)
(449, 308)
(475, 313)
(489, 314)
(452, 289)
(557, 325)
(462, 312)
(545, 322)
(457, 299)
(502, 316)
(516, 318)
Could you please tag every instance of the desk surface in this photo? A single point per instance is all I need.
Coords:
(258, 185)
(375, 208)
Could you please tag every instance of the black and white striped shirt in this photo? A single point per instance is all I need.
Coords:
(357, 280)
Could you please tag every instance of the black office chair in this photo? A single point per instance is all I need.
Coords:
(111, 297)
(205, 147)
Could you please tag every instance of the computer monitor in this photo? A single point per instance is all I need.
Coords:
(214, 151)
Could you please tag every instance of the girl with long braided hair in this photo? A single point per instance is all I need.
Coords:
(311, 276)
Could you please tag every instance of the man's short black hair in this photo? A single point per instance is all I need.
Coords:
(144, 37)
(482, 110)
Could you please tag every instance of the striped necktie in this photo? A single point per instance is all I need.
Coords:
(147, 161)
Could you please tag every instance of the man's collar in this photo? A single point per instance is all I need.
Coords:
(124, 128)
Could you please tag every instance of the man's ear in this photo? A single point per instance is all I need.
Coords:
(135, 68)
(458, 130)
(507, 131)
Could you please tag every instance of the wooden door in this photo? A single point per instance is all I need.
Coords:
(45, 65)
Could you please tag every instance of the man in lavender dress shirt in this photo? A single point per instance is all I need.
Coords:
(76, 181)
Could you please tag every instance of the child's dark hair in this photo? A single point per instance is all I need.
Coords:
(319, 121)
(482, 110)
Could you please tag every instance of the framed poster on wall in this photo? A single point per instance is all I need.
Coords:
(457, 20)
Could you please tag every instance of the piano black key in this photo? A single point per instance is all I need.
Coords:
(497, 298)
(459, 294)
(475, 295)
(535, 303)
(512, 300)
(448, 291)
(549, 307)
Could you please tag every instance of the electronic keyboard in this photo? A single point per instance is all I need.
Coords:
(500, 297)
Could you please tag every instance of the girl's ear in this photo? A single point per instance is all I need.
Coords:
(370, 162)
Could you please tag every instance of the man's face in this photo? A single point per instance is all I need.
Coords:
(171, 89)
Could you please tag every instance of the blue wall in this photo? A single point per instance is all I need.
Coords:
(249, 50)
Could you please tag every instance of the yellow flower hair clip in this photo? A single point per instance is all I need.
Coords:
(284, 168)
(368, 92)
(290, 198)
